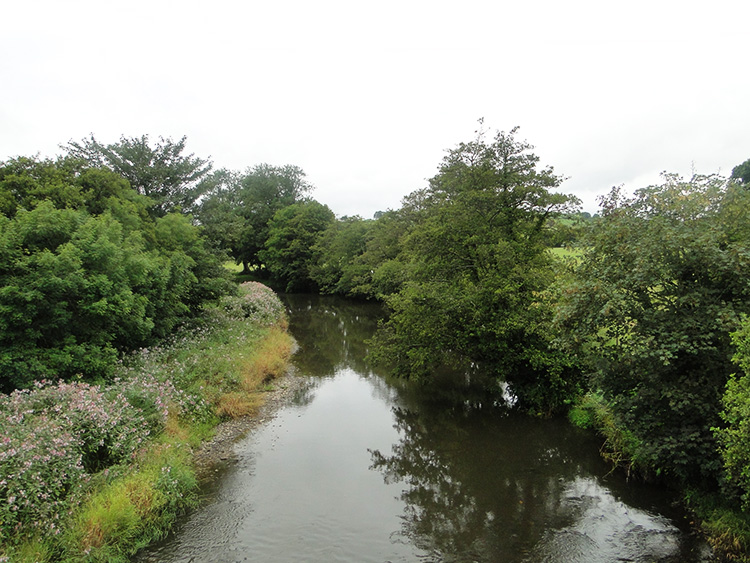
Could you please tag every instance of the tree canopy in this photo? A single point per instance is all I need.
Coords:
(292, 234)
(663, 279)
(86, 273)
(173, 181)
(741, 172)
(237, 212)
(478, 267)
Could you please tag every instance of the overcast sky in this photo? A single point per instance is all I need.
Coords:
(367, 96)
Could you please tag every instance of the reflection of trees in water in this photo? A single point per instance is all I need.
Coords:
(333, 337)
(473, 490)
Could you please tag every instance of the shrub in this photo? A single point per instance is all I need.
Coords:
(734, 436)
(256, 303)
(56, 435)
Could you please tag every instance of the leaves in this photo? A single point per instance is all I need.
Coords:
(662, 280)
(478, 265)
(85, 273)
(172, 180)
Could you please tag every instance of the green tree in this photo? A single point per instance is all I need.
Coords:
(663, 279)
(334, 268)
(741, 172)
(86, 273)
(172, 180)
(66, 183)
(478, 267)
(292, 233)
(237, 212)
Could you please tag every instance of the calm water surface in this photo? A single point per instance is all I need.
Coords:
(360, 470)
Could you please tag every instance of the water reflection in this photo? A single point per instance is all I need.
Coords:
(331, 332)
(494, 486)
(482, 483)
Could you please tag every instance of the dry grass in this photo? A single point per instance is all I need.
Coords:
(237, 404)
(268, 361)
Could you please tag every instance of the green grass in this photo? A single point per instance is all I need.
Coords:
(566, 252)
(726, 527)
(232, 267)
(620, 447)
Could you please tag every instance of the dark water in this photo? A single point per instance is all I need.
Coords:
(360, 470)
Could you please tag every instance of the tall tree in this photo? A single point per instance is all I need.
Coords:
(171, 179)
(335, 268)
(292, 234)
(237, 212)
(741, 172)
(478, 266)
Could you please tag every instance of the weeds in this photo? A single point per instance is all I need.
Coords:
(92, 473)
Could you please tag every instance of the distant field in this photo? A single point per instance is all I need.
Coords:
(233, 267)
(561, 252)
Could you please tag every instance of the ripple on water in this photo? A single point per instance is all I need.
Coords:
(605, 529)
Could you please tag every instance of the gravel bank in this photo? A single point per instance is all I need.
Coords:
(220, 448)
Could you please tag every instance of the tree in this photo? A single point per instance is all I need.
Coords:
(334, 269)
(478, 267)
(86, 273)
(292, 234)
(741, 172)
(237, 212)
(172, 180)
(663, 279)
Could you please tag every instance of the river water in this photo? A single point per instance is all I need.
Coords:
(358, 469)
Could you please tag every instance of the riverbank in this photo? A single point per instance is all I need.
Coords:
(96, 472)
(221, 447)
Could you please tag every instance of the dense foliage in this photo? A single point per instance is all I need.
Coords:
(741, 173)
(292, 233)
(734, 434)
(170, 179)
(86, 272)
(478, 267)
(662, 282)
(237, 212)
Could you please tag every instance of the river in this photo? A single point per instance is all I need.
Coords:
(359, 469)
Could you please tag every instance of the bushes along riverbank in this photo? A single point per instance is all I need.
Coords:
(94, 472)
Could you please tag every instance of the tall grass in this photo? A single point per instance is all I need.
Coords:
(124, 450)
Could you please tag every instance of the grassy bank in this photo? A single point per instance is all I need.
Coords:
(94, 472)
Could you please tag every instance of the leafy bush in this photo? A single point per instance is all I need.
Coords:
(86, 274)
(734, 436)
(661, 283)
